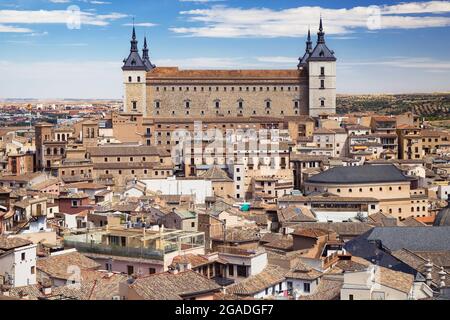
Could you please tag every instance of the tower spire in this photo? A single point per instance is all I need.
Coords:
(133, 41)
(308, 50)
(309, 42)
(145, 56)
(321, 34)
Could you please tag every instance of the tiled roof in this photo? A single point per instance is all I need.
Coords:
(9, 243)
(269, 277)
(168, 286)
(395, 279)
(240, 235)
(175, 73)
(115, 150)
(417, 262)
(341, 228)
(310, 233)
(98, 286)
(295, 214)
(215, 173)
(57, 266)
(285, 243)
(328, 289)
(303, 272)
(192, 259)
(86, 185)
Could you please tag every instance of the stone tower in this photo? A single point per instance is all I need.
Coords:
(321, 64)
(134, 76)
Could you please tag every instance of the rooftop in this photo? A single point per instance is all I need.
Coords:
(168, 286)
(360, 174)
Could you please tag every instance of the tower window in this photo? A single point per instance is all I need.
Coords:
(322, 103)
(130, 79)
(217, 104)
(134, 105)
(296, 104)
(322, 71)
(240, 104)
(187, 104)
(157, 104)
(322, 84)
(138, 79)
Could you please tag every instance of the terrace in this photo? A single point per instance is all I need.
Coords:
(134, 242)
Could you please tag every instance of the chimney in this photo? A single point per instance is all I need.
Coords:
(428, 269)
(4, 289)
(47, 290)
(442, 277)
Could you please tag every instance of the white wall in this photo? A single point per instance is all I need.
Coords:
(443, 192)
(171, 186)
(13, 264)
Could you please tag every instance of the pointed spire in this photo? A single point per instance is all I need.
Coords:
(308, 50)
(309, 42)
(321, 34)
(133, 41)
(146, 57)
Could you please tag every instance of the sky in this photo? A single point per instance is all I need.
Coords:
(75, 48)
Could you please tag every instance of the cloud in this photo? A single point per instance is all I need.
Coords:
(427, 64)
(227, 22)
(99, 2)
(59, 1)
(13, 29)
(142, 24)
(8, 17)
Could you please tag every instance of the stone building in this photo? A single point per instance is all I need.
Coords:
(310, 89)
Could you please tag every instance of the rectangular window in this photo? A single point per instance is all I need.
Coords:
(23, 256)
(242, 271)
(231, 270)
(306, 287)
(322, 84)
(130, 270)
(134, 105)
(151, 270)
(322, 71)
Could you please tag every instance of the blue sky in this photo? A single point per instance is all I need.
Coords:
(381, 46)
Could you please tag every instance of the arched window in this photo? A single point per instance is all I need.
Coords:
(58, 137)
(49, 151)
(55, 150)
(138, 79)
(62, 151)
(240, 104)
(129, 79)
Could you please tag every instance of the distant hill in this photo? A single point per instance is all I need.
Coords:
(431, 106)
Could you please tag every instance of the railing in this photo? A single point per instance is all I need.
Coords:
(144, 253)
